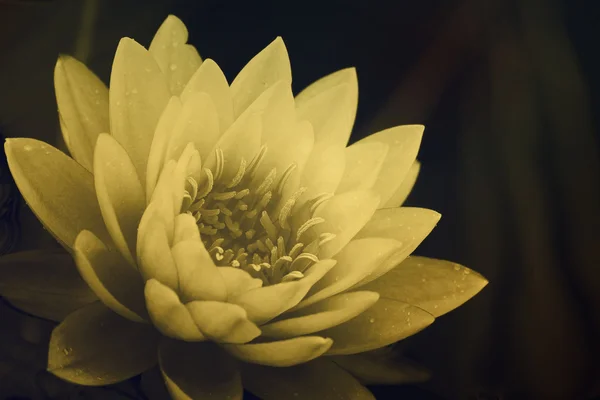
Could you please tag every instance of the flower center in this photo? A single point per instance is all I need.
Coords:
(246, 222)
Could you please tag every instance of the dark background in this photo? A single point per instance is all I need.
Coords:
(509, 93)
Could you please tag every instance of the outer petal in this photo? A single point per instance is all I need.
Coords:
(357, 260)
(82, 101)
(371, 368)
(265, 303)
(330, 105)
(120, 194)
(317, 379)
(401, 194)
(345, 214)
(388, 321)
(283, 353)
(138, 96)
(222, 322)
(269, 66)
(156, 158)
(59, 191)
(436, 286)
(363, 163)
(118, 286)
(404, 142)
(176, 59)
(199, 371)
(26, 277)
(87, 348)
(408, 225)
(322, 315)
(168, 314)
(210, 79)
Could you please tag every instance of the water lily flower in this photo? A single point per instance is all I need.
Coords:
(225, 232)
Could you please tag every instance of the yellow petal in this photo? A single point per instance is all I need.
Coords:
(176, 59)
(116, 284)
(283, 353)
(403, 142)
(330, 105)
(82, 101)
(357, 260)
(199, 278)
(222, 322)
(168, 314)
(241, 140)
(155, 258)
(238, 281)
(198, 123)
(317, 379)
(156, 158)
(400, 195)
(26, 276)
(119, 193)
(138, 95)
(344, 214)
(210, 79)
(199, 371)
(185, 229)
(269, 66)
(322, 315)
(59, 191)
(323, 171)
(437, 286)
(363, 163)
(265, 303)
(88, 347)
(386, 322)
(408, 225)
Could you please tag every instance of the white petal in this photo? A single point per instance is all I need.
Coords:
(400, 195)
(322, 315)
(403, 142)
(176, 59)
(112, 279)
(158, 149)
(210, 79)
(82, 101)
(283, 353)
(269, 66)
(120, 194)
(410, 226)
(138, 95)
(223, 322)
(363, 163)
(330, 105)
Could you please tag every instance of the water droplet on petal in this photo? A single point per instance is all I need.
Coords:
(372, 320)
(27, 147)
(457, 267)
(173, 67)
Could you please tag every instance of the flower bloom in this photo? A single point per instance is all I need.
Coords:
(226, 232)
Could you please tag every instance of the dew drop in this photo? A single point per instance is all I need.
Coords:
(457, 267)
(173, 67)
(466, 271)
(435, 306)
(96, 91)
(27, 147)
(423, 280)
(67, 351)
(372, 320)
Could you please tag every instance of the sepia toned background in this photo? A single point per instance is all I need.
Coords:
(509, 92)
